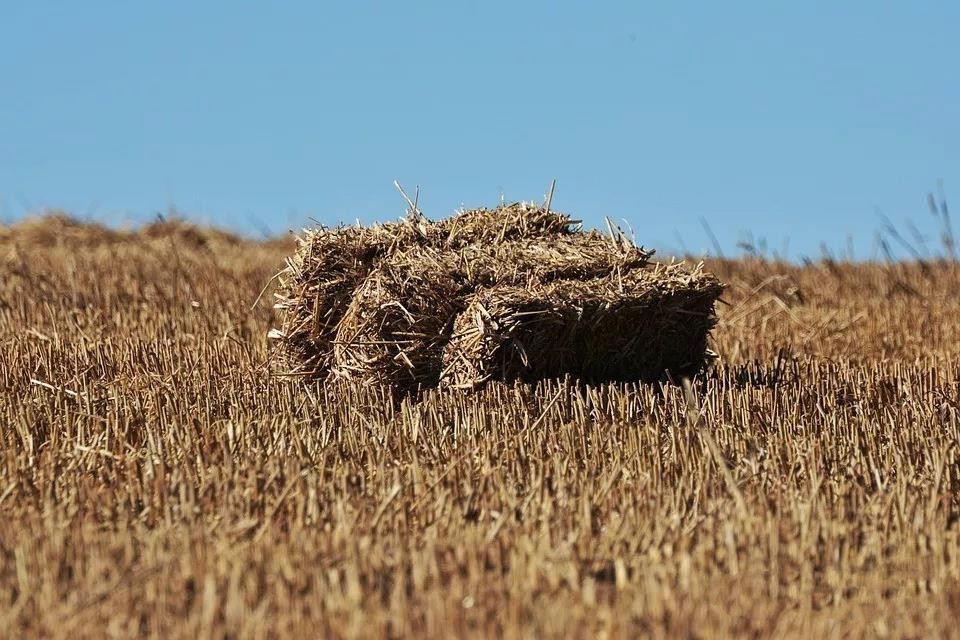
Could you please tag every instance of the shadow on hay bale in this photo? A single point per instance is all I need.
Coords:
(459, 302)
(617, 328)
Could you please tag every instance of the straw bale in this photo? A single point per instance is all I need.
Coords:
(635, 326)
(507, 222)
(319, 281)
(379, 304)
(538, 260)
(394, 330)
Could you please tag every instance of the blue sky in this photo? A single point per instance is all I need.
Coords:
(794, 122)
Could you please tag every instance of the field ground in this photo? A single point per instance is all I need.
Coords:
(156, 480)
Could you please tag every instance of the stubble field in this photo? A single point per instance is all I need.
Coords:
(157, 480)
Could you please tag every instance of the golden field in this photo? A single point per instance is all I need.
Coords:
(157, 479)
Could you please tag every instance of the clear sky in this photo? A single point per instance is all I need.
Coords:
(794, 121)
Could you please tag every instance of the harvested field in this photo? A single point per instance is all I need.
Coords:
(57, 228)
(157, 480)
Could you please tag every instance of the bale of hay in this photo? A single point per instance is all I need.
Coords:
(636, 326)
(398, 323)
(318, 283)
(507, 222)
(379, 304)
(394, 330)
(579, 256)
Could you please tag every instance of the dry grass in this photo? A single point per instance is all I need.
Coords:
(156, 480)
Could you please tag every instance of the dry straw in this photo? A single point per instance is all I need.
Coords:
(319, 281)
(516, 292)
(532, 261)
(394, 330)
(636, 326)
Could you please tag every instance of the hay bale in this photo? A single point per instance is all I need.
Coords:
(379, 304)
(635, 326)
(394, 330)
(400, 319)
(507, 222)
(318, 283)
(579, 256)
